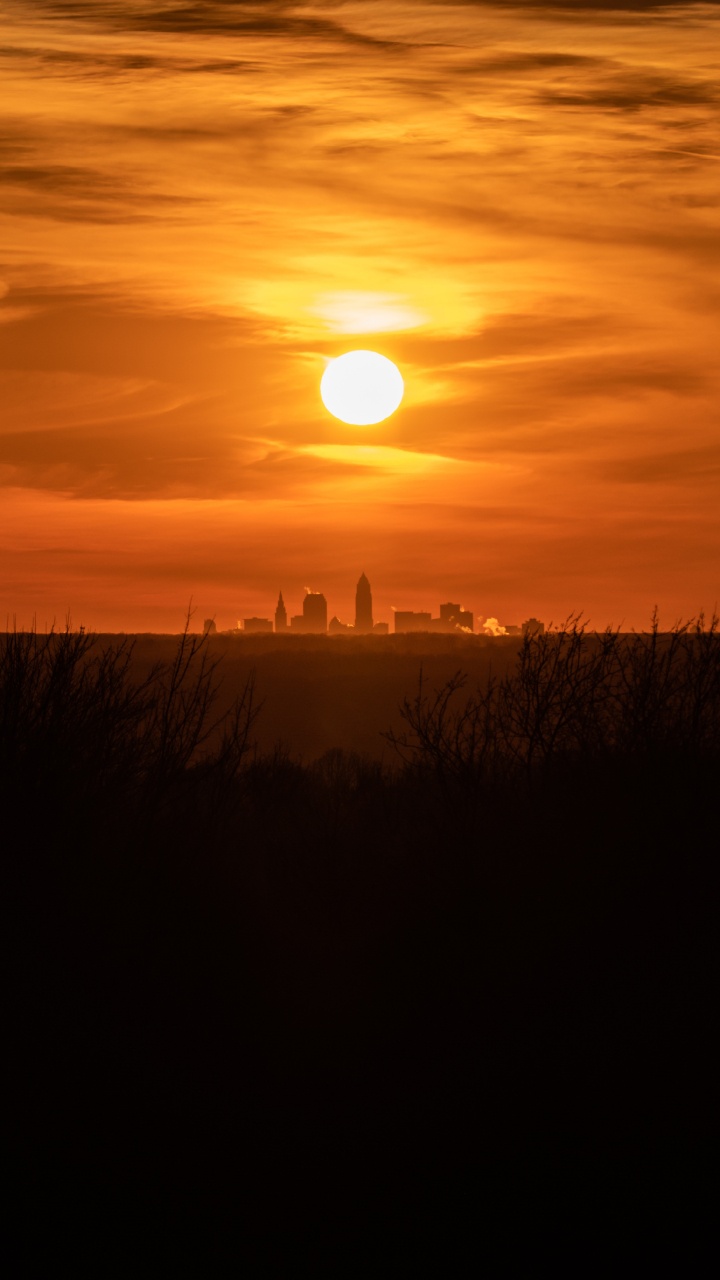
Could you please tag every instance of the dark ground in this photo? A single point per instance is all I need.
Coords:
(330, 1002)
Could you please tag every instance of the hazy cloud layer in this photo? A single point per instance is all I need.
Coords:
(525, 195)
(589, 8)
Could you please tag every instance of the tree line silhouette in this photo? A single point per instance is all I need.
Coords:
(241, 981)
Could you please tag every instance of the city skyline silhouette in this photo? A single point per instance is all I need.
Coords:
(451, 618)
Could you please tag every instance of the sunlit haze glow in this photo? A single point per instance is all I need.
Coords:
(361, 388)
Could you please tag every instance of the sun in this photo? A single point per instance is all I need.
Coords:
(361, 388)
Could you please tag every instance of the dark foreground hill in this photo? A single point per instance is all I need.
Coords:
(292, 1005)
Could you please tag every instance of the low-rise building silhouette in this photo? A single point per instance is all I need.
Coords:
(338, 628)
(533, 627)
(454, 616)
(407, 620)
(257, 626)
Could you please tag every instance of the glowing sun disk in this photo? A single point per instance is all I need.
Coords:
(361, 388)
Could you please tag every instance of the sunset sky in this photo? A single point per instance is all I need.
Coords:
(200, 203)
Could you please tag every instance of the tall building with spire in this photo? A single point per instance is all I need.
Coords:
(280, 615)
(363, 606)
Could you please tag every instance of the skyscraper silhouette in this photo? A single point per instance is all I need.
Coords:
(315, 612)
(280, 615)
(363, 606)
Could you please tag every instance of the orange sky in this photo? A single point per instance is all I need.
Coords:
(201, 202)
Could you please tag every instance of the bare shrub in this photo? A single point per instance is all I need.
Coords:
(555, 703)
(666, 690)
(75, 727)
(574, 695)
(456, 740)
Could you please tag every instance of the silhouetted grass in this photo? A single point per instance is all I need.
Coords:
(246, 985)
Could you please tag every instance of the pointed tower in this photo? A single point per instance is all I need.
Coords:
(363, 606)
(280, 615)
